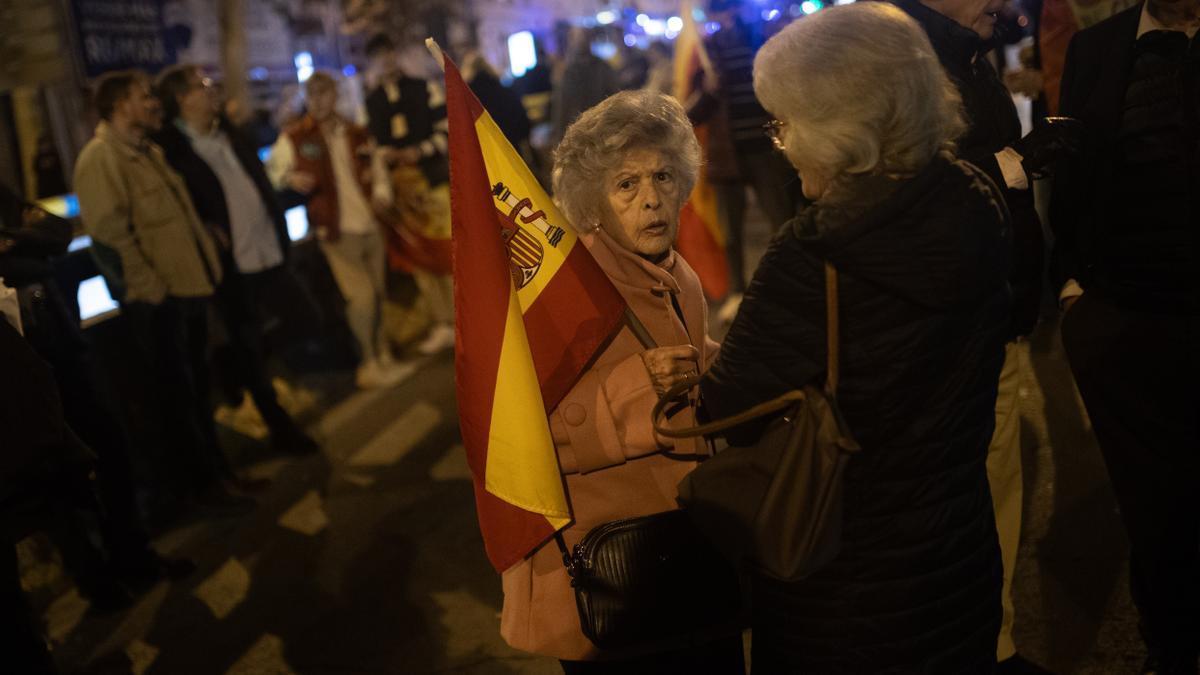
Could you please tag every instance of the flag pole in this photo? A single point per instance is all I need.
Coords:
(639, 329)
(436, 51)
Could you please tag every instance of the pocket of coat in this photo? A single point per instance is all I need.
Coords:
(153, 208)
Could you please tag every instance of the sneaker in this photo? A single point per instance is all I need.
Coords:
(729, 308)
(440, 338)
(374, 375)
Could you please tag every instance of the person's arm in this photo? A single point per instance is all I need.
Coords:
(383, 194)
(1067, 198)
(378, 121)
(44, 235)
(438, 142)
(292, 187)
(703, 102)
(605, 419)
(776, 343)
(281, 161)
(106, 211)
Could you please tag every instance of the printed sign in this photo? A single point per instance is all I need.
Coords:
(119, 34)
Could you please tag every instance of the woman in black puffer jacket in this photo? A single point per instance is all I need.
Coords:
(921, 244)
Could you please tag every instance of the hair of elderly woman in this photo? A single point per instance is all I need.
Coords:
(596, 144)
(861, 90)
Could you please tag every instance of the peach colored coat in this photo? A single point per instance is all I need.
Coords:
(607, 448)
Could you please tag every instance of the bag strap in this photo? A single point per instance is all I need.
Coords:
(832, 331)
(785, 400)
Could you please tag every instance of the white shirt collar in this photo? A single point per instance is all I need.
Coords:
(1148, 23)
(214, 131)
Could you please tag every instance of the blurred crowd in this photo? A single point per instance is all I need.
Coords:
(188, 224)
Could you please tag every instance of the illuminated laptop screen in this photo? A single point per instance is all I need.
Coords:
(94, 298)
(297, 222)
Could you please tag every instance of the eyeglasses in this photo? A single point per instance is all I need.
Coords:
(774, 131)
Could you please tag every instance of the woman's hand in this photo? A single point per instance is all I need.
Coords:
(301, 181)
(669, 366)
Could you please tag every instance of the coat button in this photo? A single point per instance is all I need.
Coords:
(574, 414)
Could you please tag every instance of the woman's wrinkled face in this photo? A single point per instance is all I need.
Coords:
(644, 201)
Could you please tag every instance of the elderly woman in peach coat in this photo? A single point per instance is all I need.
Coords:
(622, 173)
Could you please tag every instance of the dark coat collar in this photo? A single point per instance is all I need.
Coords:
(955, 45)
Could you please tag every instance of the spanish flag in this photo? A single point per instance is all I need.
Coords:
(701, 240)
(531, 309)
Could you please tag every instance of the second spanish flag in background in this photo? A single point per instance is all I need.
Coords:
(701, 238)
(531, 309)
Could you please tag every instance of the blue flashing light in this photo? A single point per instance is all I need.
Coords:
(258, 73)
(770, 14)
(605, 17)
(349, 71)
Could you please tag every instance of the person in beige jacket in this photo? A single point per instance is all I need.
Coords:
(622, 173)
(162, 265)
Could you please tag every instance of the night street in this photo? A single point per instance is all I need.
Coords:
(242, 240)
(367, 559)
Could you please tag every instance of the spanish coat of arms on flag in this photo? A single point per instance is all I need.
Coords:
(531, 309)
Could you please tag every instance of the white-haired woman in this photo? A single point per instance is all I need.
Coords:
(920, 241)
(622, 173)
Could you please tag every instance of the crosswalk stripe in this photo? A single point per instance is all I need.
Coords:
(225, 589)
(265, 657)
(141, 656)
(389, 445)
(306, 516)
(452, 465)
(350, 409)
(64, 614)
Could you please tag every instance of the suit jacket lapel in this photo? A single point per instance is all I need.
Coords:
(1116, 66)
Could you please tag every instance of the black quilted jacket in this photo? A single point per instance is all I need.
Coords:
(924, 315)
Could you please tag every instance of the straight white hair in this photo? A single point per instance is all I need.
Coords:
(860, 90)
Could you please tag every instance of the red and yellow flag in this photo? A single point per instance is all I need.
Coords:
(531, 309)
(701, 240)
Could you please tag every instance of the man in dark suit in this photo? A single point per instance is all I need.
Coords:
(962, 32)
(235, 199)
(1126, 217)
